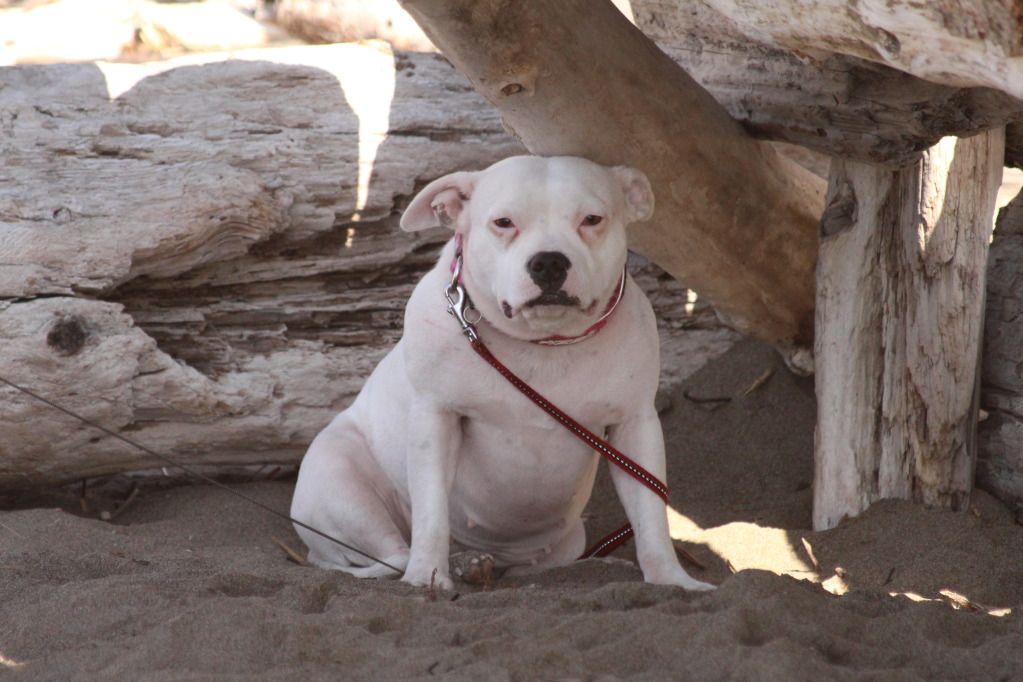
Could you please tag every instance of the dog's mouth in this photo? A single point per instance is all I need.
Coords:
(553, 298)
(550, 301)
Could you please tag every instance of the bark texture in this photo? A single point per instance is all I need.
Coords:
(1000, 464)
(900, 305)
(734, 220)
(823, 74)
(205, 254)
(957, 42)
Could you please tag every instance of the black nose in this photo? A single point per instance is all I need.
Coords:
(549, 269)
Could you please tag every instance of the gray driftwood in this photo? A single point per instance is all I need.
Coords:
(900, 303)
(205, 255)
(870, 81)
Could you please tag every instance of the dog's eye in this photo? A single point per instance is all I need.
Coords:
(504, 223)
(592, 220)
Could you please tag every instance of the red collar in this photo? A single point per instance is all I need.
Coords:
(558, 340)
(593, 328)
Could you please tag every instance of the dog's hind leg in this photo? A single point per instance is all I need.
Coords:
(342, 492)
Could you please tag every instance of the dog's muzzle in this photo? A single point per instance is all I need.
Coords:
(548, 270)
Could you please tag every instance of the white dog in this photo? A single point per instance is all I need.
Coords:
(438, 448)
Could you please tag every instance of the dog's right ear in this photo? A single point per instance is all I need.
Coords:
(440, 203)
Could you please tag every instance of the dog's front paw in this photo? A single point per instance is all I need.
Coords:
(432, 577)
(696, 585)
(678, 578)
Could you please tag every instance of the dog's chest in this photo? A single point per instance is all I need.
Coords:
(596, 389)
(510, 441)
(518, 469)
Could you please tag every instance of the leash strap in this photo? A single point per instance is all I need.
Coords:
(611, 542)
(609, 452)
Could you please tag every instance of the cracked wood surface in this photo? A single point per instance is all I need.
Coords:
(900, 302)
(823, 73)
(187, 252)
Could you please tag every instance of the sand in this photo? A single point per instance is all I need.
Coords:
(187, 584)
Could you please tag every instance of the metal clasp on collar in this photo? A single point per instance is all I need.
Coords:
(459, 303)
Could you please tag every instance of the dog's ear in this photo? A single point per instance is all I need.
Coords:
(639, 197)
(440, 203)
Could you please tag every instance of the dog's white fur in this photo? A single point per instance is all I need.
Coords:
(438, 448)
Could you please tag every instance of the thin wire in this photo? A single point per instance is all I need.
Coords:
(193, 472)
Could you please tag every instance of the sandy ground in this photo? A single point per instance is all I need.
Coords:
(188, 584)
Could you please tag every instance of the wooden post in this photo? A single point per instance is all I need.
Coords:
(900, 300)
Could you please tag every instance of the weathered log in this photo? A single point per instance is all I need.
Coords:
(900, 302)
(784, 76)
(873, 107)
(205, 254)
(734, 221)
(956, 42)
(297, 141)
(340, 21)
(1000, 462)
(818, 99)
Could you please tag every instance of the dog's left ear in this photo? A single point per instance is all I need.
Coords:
(440, 203)
(639, 197)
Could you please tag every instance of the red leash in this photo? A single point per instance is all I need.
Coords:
(612, 541)
(458, 305)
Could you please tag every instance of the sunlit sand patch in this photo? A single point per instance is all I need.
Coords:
(957, 601)
(745, 545)
(836, 584)
(9, 662)
(962, 602)
(749, 546)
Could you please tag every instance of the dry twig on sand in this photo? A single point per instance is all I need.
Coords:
(759, 381)
(293, 555)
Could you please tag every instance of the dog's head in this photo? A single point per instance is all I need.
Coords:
(544, 238)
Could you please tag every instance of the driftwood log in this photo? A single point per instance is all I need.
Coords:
(575, 77)
(900, 303)
(878, 82)
(869, 81)
(205, 256)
